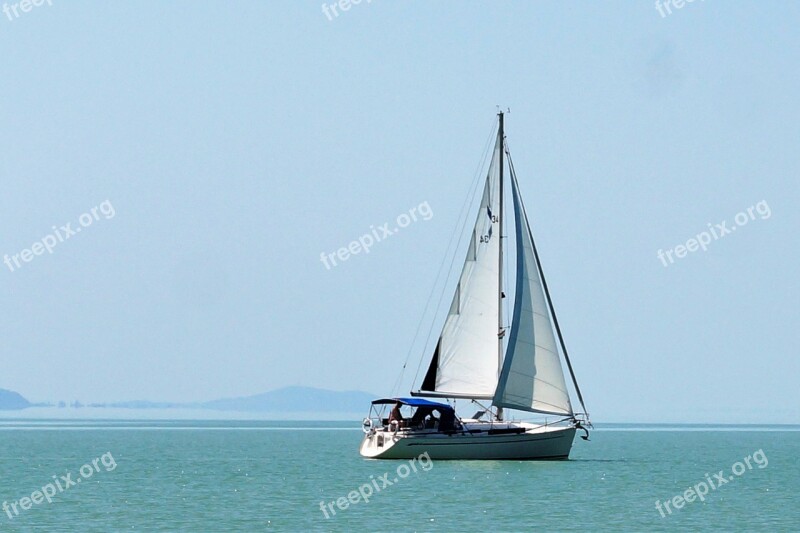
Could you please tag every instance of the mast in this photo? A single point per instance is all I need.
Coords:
(500, 335)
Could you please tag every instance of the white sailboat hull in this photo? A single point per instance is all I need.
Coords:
(505, 441)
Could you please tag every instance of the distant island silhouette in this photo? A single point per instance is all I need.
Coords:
(287, 399)
(10, 400)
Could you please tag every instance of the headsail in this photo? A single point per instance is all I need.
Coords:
(531, 378)
(462, 365)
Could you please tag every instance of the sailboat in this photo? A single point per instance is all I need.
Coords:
(480, 359)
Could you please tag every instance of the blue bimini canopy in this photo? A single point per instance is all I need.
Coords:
(414, 402)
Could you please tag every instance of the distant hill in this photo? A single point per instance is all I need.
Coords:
(291, 400)
(296, 399)
(10, 400)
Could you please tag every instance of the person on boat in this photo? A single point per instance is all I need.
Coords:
(447, 422)
(431, 420)
(420, 416)
(396, 415)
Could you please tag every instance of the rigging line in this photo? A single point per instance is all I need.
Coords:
(465, 209)
(546, 290)
(440, 270)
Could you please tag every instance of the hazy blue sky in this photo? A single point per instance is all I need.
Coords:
(237, 141)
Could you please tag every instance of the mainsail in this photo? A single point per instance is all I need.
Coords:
(462, 365)
(531, 378)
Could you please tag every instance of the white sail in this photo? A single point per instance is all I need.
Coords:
(531, 378)
(465, 362)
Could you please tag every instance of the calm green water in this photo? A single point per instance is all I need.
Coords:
(257, 476)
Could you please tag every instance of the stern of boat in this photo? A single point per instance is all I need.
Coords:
(376, 443)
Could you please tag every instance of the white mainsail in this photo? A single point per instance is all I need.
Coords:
(462, 364)
(531, 378)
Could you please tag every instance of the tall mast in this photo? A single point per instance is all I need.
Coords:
(500, 335)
